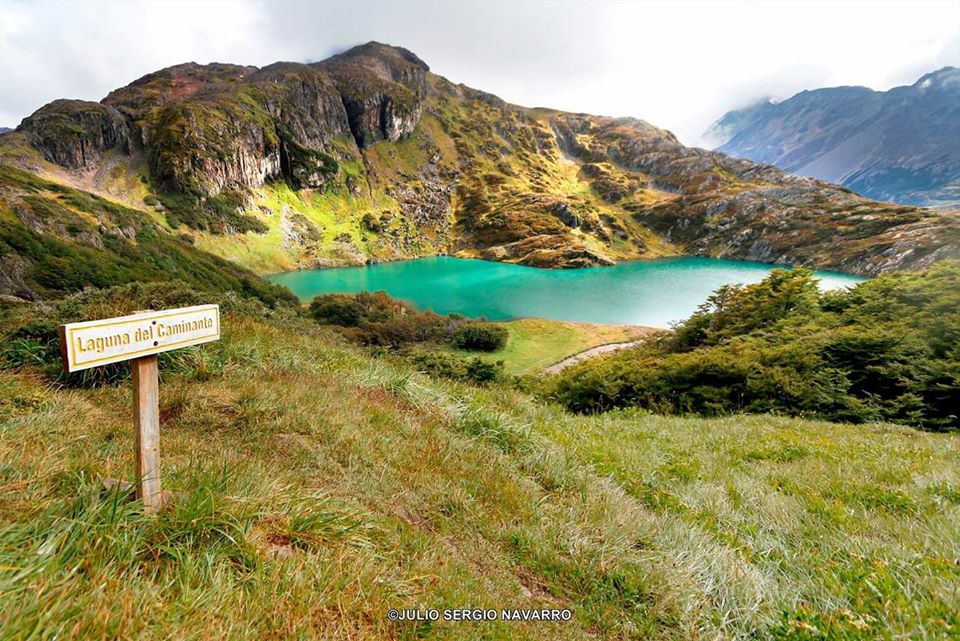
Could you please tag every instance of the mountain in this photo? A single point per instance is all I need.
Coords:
(4, 130)
(901, 145)
(369, 156)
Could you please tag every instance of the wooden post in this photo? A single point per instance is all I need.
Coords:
(146, 431)
(138, 338)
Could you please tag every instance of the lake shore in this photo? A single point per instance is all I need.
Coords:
(653, 293)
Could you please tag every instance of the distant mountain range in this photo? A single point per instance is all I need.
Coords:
(4, 130)
(901, 145)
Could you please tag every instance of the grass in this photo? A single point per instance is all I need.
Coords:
(536, 343)
(332, 214)
(316, 487)
(832, 531)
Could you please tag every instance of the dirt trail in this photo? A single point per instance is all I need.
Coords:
(590, 353)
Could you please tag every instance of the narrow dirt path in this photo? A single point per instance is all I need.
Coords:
(590, 353)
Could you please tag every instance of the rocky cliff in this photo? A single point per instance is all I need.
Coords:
(901, 145)
(369, 156)
(74, 133)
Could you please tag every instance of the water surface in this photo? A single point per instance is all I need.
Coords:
(652, 292)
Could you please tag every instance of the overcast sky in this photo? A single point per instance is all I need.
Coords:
(679, 64)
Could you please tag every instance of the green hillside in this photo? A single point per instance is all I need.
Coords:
(55, 240)
(317, 486)
(885, 350)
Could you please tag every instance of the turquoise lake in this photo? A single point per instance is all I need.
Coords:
(654, 292)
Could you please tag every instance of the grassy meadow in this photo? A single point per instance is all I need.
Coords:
(536, 343)
(316, 487)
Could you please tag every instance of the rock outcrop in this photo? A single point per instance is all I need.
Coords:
(75, 133)
(382, 89)
(12, 278)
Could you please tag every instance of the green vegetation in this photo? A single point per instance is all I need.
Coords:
(422, 339)
(475, 370)
(536, 343)
(220, 214)
(317, 486)
(301, 163)
(376, 319)
(68, 239)
(482, 337)
(888, 349)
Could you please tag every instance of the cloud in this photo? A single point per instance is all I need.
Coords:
(679, 65)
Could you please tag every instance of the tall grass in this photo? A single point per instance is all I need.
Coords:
(316, 487)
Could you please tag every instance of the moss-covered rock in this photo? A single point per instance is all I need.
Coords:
(74, 133)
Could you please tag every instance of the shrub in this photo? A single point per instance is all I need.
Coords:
(886, 350)
(353, 310)
(337, 309)
(372, 222)
(474, 370)
(484, 337)
(377, 319)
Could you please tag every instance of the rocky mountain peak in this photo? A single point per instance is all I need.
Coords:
(388, 61)
(382, 88)
(899, 145)
(74, 133)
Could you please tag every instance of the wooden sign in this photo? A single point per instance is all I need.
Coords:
(139, 338)
(110, 340)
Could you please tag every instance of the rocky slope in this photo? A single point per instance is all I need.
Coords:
(368, 156)
(901, 145)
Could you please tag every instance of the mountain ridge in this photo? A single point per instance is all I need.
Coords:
(369, 156)
(897, 145)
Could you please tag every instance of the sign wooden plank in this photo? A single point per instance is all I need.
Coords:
(110, 340)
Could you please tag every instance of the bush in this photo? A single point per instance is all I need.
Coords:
(886, 350)
(484, 337)
(376, 319)
(474, 370)
(353, 310)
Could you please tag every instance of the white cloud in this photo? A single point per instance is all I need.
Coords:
(679, 65)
